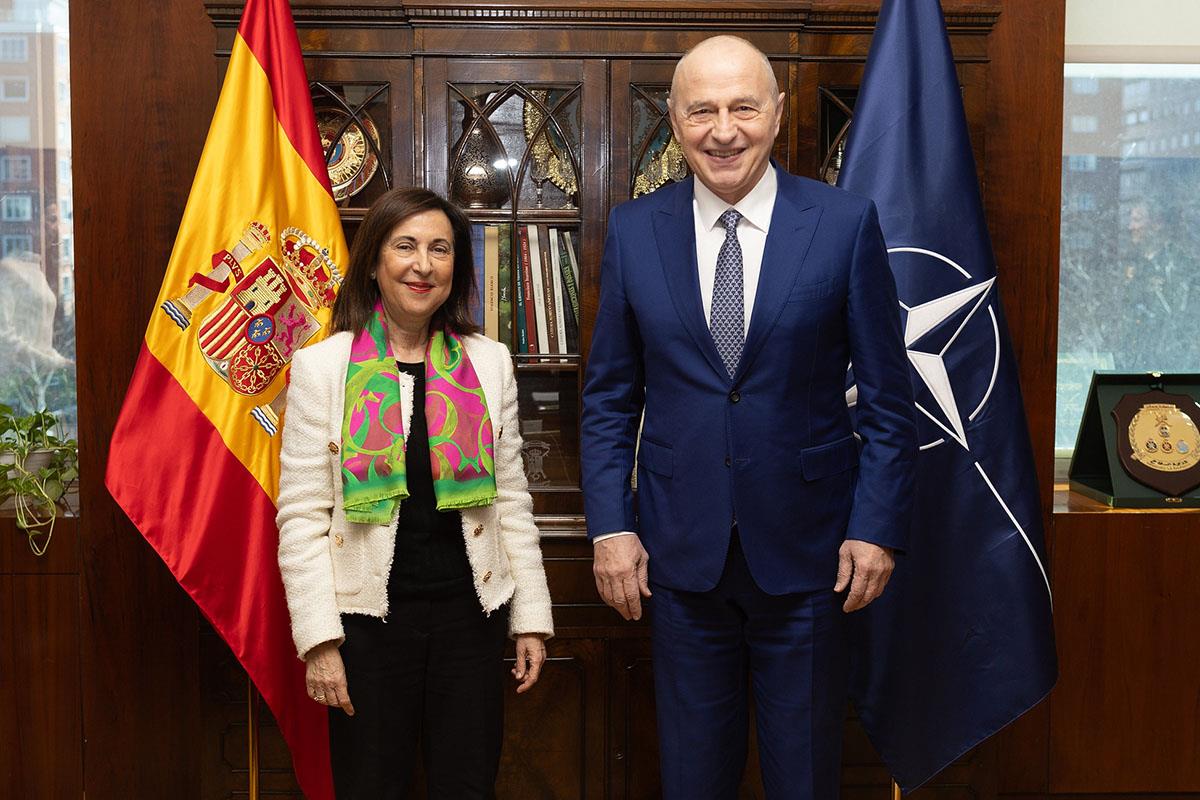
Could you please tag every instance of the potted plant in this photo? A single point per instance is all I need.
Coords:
(37, 468)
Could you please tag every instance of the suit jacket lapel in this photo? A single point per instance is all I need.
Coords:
(793, 223)
(675, 232)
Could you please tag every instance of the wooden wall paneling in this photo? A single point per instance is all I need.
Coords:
(143, 94)
(1022, 187)
(554, 734)
(1023, 177)
(633, 765)
(41, 740)
(1125, 716)
(598, 138)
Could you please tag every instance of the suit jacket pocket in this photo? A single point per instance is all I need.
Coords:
(657, 458)
(831, 458)
(813, 290)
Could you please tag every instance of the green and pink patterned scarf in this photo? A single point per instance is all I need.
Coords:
(461, 450)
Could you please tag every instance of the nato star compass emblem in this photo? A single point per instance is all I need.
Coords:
(953, 345)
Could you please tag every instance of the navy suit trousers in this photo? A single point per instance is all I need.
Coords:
(710, 648)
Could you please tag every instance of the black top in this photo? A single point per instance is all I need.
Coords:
(431, 554)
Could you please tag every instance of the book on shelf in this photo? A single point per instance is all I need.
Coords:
(569, 272)
(561, 312)
(504, 291)
(549, 304)
(540, 328)
(568, 295)
(478, 302)
(565, 314)
(526, 320)
(491, 282)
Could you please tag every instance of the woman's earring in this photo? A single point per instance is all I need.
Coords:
(372, 276)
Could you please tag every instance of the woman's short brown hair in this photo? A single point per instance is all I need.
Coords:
(356, 299)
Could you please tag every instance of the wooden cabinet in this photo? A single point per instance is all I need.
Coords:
(544, 117)
(148, 86)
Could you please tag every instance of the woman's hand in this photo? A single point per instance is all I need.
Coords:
(325, 676)
(531, 655)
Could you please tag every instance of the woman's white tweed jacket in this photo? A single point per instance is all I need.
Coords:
(331, 566)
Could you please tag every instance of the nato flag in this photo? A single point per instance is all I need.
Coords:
(961, 643)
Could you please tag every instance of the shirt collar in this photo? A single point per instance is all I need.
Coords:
(755, 207)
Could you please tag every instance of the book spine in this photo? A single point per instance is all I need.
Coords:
(561, 310)
(539, 293)
(568, 274)
(574, 256)
(572, 324)
(477, 256)
(547, 302)
(491, 276)
(528, 320)
(505, 288)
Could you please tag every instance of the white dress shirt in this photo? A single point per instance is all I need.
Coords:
(756, 208)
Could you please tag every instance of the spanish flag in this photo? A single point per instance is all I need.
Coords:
(194, 459)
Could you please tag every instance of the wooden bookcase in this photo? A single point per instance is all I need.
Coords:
(422, 77)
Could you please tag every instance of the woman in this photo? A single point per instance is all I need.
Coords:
(406, 535)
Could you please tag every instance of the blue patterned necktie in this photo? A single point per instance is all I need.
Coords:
(727, 320)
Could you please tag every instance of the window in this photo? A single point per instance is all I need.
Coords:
(1129, 263)
(37, 339)
(1082, 163)
(14, 130)
(14, 48)
(1085, 86)
(1084, 123)
(16, 208)
(1083, 201)
(16, 245)
(16, 169)
(14, 90)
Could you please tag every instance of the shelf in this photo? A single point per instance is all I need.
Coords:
(1069, 502)
(526, 362)
(548, 216)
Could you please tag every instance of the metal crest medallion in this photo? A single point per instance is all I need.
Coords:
(1158, 440)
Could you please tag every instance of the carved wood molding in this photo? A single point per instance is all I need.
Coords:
(979, 21)
(796, 15)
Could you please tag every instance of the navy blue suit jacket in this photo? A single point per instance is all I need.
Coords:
(773, 448)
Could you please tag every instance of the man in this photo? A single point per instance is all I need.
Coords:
(731, 305)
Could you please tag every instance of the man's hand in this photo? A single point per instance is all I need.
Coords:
(865, 568)
(619, 564)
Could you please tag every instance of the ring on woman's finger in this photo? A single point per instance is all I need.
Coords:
(320, 698)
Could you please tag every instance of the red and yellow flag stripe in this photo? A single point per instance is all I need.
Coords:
(252, 276)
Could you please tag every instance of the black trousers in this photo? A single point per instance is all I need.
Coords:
(430, 678)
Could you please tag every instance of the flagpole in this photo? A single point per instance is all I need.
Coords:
(252, 698)
(895, 791)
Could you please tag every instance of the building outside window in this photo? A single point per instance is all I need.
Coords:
(17, 245)
(15, 129)
(1129, 284)
(37, 306)
(16, 169)
(14, 48)
(14, 90)
(16, 208)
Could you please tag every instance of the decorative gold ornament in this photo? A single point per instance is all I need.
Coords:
(549, 159)
(667, 166)
(352, 160)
